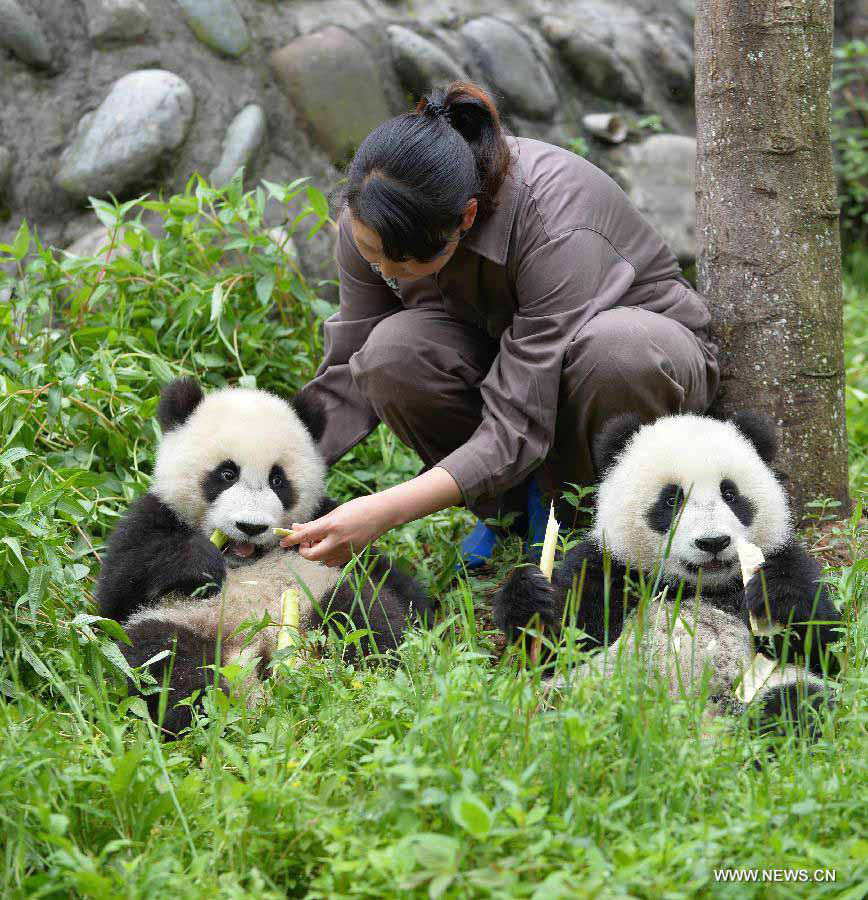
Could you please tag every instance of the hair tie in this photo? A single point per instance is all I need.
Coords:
(436, 110)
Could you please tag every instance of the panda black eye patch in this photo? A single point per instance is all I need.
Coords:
(662, 514)
(281, 485)
(740, 505)
(222, 476)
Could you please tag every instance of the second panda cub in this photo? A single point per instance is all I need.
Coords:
(244, 462)
(675, 499)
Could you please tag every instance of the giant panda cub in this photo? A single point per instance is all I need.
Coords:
(675, 499)
(244, 462)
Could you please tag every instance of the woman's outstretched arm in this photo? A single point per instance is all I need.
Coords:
(333, 538)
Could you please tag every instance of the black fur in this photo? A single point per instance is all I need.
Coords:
(599, 612)
(311, 414)
(185, 671)
(741, 506)
(793, 708)
(152, 553)
(282, 486)
(611, 440)
(326, 505)
(219, 479)
(788, 589)
(662, 514)
(177, 401)
(525, 596)
(759, 429)
(353, 606)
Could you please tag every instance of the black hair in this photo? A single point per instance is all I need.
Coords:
(411, 178)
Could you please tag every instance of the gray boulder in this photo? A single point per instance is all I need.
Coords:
(244, 137)
(659, 177)
(592, 59)
(669, 54)
(218, 24)
(335, 86)
(420, 63)
(21, 32)
(109, 21)
(145, 116)
(509, 63)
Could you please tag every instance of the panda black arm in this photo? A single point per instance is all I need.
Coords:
(151, 553)
(527, 593)
(599, 612)
(789, 585)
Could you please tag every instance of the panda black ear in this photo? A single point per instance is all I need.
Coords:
(311, 414)
(177, 401)
(759, 429)
(612, 438)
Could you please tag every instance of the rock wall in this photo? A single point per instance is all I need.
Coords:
(124, 96)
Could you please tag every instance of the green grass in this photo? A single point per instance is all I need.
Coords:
(444, 776)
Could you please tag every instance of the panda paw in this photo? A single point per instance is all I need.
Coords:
(527, 595)
(771, 604)
(198, 569)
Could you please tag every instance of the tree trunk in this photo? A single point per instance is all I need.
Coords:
(767, 227)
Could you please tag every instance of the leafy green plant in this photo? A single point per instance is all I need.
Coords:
(652, 123)
(579, 146)
(856, 366)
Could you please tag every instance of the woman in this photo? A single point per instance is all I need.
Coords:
(500, 298)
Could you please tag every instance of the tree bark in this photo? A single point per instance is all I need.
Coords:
(767, 227)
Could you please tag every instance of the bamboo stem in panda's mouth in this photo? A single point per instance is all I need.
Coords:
(219, 539)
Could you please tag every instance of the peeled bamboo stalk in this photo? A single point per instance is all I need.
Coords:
(751, 558)
(761, 668)
(287, 634)
(550, 544)
(546, 565)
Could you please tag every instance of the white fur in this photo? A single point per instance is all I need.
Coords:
(696, 453)
(256, 430)
(699, 643)
(248, 593)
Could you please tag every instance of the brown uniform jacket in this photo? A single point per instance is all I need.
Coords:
(563, 244)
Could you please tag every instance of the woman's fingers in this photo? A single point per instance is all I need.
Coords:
(327, 551)
(308, 532)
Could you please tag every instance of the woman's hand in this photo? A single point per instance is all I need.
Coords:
(333, 538)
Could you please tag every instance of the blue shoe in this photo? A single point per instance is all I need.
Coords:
(478, 547)
(537, 519)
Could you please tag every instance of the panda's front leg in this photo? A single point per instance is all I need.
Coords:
(526, 599)
(786, 594)
(152, 553)
(187, 670)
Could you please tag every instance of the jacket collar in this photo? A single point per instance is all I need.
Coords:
(491, 237)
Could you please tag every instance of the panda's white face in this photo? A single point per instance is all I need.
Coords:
(699, 481)
(242, 462)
